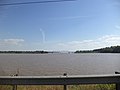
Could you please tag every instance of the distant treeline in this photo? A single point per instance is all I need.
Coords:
(112, 49)
(33, 52)
(84, 51)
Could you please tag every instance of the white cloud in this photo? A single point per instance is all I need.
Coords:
(105, 41)
(117, 27)
(74, 17)
(70, 17)
(14, 42)
(43, 35)
(116, 3)
(110, 38)
(11, 44)
(61, 44)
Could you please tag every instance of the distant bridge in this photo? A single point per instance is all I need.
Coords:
(60, 80)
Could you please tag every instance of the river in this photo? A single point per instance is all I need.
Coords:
(59, 63)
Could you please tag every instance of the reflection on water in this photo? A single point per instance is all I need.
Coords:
(57, 64)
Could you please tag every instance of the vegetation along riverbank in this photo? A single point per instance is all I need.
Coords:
(58, 87)
(112, 49)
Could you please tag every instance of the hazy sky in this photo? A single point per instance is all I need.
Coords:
(75, 25)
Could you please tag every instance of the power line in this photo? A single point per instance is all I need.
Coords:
(24, 3)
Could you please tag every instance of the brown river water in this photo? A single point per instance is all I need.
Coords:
(57, 64)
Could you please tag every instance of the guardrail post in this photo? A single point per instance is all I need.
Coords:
(14, 87)
(65, 87)
(117, 86)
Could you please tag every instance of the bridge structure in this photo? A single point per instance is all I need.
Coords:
(61, 80)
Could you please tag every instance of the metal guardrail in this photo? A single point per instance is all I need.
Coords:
(60, 80)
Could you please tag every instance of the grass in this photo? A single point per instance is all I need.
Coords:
(60, 87)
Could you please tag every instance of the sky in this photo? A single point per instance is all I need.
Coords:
(61, 26)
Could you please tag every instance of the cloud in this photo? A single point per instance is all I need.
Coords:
(3, 13)
(43, 35)
(110, 38)
(116, 3)
(13, 42)
(74, 17)
(104, 41)
(117, 27)
(70, 17)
